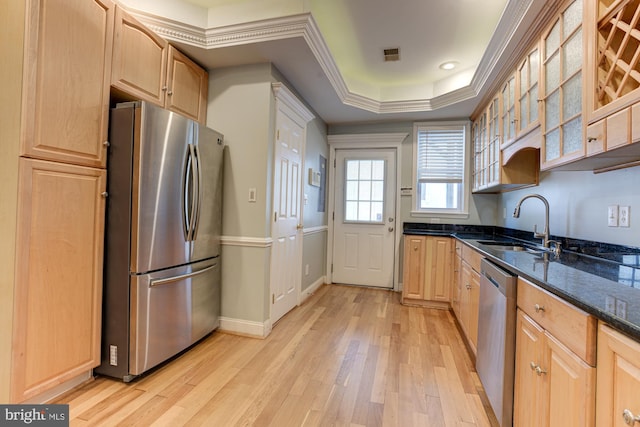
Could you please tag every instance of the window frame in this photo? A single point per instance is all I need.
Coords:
(463, 211)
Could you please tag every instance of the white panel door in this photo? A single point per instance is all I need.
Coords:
(286, 252)
(364, 217)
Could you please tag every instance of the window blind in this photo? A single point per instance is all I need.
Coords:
(441, 154)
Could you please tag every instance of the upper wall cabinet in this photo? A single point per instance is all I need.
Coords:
(187, 86)
(139, 59)
(562, 53)
(146, 67)
(615, 43)
(66, 84)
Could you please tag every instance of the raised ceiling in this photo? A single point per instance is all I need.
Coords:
(331, 51)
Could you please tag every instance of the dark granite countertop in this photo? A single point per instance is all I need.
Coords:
(601, 279)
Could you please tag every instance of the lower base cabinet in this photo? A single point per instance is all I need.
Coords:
(553, 386)
(427, 270)
(58, 275)
(618, 391)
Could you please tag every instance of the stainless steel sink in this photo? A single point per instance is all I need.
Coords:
(511, 246)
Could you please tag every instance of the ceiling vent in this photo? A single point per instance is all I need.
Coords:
(392, 54)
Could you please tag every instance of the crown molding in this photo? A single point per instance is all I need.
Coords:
(303, 25)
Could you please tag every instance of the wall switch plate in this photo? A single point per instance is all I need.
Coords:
(252, 195)
(612, 216)
(623, 216)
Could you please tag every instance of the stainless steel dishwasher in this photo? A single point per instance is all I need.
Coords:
(495, 359)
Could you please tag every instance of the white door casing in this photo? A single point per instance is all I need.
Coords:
(364, 217)
(286, 229)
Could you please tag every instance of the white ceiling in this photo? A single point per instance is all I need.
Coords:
(331, 50)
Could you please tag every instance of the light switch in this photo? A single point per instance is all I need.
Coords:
(252, 195)
(612, 216)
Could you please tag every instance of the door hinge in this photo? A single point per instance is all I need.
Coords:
(273, 298)
(278, 134)
(334, 163)
(333, 216)
(332, 268)
(275, 216)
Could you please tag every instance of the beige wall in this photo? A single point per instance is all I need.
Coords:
(11, 42)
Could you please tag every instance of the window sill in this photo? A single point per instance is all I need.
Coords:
(438, 215)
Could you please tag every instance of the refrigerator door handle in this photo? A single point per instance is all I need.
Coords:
(197, 193)
(186, 205)
(168, 280)
(191, 191)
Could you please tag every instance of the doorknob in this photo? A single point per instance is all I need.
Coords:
(390, 228)
(299, 227)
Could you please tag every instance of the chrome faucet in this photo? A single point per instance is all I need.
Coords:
(545, 234)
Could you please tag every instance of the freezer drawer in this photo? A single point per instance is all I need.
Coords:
(170, 310)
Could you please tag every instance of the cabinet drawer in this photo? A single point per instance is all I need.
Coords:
(595, 137)
(472, 257)
(572, 326)
(618, 129)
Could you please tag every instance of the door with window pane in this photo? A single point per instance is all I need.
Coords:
(364, 223)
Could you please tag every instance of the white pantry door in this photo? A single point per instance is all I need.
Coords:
(286, 252)
(364, 217)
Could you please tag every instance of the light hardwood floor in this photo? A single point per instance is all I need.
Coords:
(349, 356)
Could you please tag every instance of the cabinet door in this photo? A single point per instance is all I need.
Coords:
(528, 105)
(492, 155)
(479, 152)
(528, 410)
(474, 308)
(456, 291)
(66, 84)
(465, 297)
(139, 60)
(413, 274)
(438, 268)
(570, 387)
(563, 133)
(618, 378)
(59, 275)
(187, 86)
(508, 110)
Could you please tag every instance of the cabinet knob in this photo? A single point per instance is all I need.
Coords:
(104, 194)
(468, 286)
(106, 143)
(591, 138)
(538, 308)
(170, 93)
(629, 418)
(540, 371)
(164, 88)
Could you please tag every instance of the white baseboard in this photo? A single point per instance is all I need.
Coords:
(311, 289)
(245, 327)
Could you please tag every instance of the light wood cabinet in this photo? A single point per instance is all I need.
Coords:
(456, 291)
(427, 269)
(66, 84)
(562, 64)
(493, 171)
(56, 200)
(187, 86)
(146, 67)
(59, 275)
(468, 293)
(614, 44)
(414, 267)
(555, 361)
(618, 379)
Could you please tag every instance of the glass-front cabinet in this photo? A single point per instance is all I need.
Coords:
(563, 132)
(528, 105)
(479, 130)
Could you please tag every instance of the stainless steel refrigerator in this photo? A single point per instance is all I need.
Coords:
(162, 241)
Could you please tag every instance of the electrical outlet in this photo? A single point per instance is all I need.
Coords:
(612, 216)
(623, 216)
